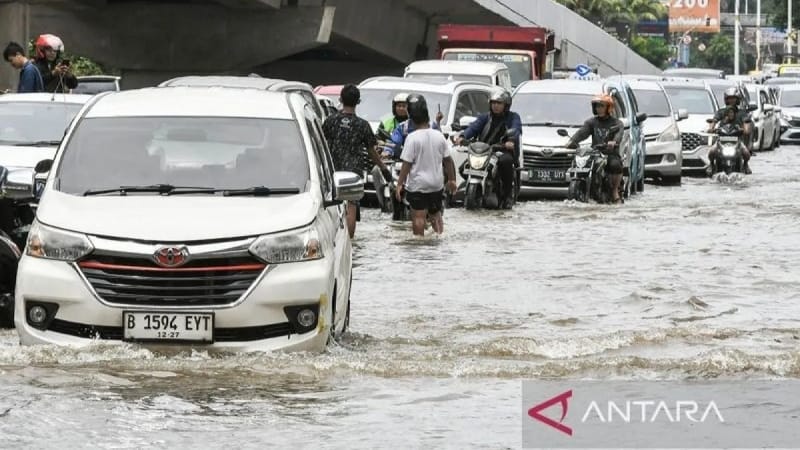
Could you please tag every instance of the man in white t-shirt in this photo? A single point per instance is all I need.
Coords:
(424, 157)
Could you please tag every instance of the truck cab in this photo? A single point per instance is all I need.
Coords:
(526, 51)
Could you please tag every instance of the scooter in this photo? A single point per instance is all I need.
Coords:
(587, 175)
(728, 157)
(385, 189)
(480, 173)
(17, 212)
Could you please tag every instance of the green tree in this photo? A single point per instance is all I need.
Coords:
(654, 49)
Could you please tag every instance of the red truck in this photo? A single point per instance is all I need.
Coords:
(527, 51)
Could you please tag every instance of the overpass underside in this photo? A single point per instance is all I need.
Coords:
(318, 41)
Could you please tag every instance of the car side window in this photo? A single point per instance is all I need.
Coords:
(464, 106)
(763, 96)
(320, 157)
(481, 101)
(309, 97)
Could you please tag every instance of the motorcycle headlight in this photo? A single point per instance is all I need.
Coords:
(728, 151)
(581, 161)
(477, 162)
(671, 134)
(289, 246)
(51, 243)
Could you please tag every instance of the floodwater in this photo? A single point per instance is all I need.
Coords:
(701, 280)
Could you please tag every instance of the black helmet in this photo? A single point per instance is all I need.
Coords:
(417, 108)
(500, 95)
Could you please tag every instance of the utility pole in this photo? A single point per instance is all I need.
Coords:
(758, 35)
(736, 38)
(789, 30)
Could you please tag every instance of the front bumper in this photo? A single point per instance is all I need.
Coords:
(696, 162)
(663, 159)
(791, 136)
(255, 322)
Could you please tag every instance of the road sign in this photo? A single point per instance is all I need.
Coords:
(699, 16)
(687, 39)
(701, 47)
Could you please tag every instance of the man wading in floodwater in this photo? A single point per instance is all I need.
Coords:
(425, 154)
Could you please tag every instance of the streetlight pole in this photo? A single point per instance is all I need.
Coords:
(789, 30)
(758, 35)
(736, 38)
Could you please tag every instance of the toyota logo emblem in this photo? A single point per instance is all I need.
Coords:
(171, 256)
(547, 152)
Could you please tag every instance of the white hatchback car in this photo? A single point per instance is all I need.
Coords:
(194, 216)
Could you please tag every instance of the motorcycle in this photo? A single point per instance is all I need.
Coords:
(480, 173)
(385, 189)
(17, 211)
(587, 175)
(728, 157)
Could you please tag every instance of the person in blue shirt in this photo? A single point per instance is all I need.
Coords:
(30, 80)
(490, 128)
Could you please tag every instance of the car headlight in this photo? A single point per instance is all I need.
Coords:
(729, 151)
(51, 243)
(289, 246)
(786, 117)
(477, 162)
(671, 134)
(581, 161)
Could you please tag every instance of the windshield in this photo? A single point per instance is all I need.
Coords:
(702, 75)
(215, 152)
(695, 101)
(377, 103)
(451, 77)
(94, 87)
(654, 103)
(519, 64)
(790, 99)
(553, 109)
(31, 122)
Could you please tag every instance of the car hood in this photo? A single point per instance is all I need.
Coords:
(790, 111)
(24, 157)
(656, 125)
(546, 136)
(696, 123)
(176, 218)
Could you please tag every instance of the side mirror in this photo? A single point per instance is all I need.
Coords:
(510, 134)
(562, 132)
(347, 187)
(683, 114)
(769, 108)
(641, 117)
(777, 109)
(43, 166)
(466, 121)
(16, 184)
(626, 123)
(752, 107)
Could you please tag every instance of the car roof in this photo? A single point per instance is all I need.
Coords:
(249, 82)
(562, 86)
(785, 87)
(693, 70)
(192, 102)
(487, 68)
(416, 84)
(644, 85)
(98, 78)
(689, 84)
(41, 97)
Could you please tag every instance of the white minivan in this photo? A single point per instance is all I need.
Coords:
(492, 73)
(208, 217)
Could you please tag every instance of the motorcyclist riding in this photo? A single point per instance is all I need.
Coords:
(407, 127)
(399, 113)
(490, 128)
(599, 128)
(743, 121)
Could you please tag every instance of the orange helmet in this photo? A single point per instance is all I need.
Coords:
(603, 99)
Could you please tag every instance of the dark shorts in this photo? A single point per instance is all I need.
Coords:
(614, 165)
(425, 201)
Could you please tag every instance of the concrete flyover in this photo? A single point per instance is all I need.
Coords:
(319, 41)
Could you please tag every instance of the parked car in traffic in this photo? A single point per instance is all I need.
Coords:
(718, 88)
(330, 90)
(190, 216)
(766, 133)
(95, 84)
(548, 105)
(789, 101)
(456, 100)
(252, 81)
(663, 156)
(699, 102)
(494, 73)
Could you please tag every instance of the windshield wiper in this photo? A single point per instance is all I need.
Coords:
(38, 144)
(260, 191)
(161, 189)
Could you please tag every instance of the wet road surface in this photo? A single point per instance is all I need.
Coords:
(700, 280)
